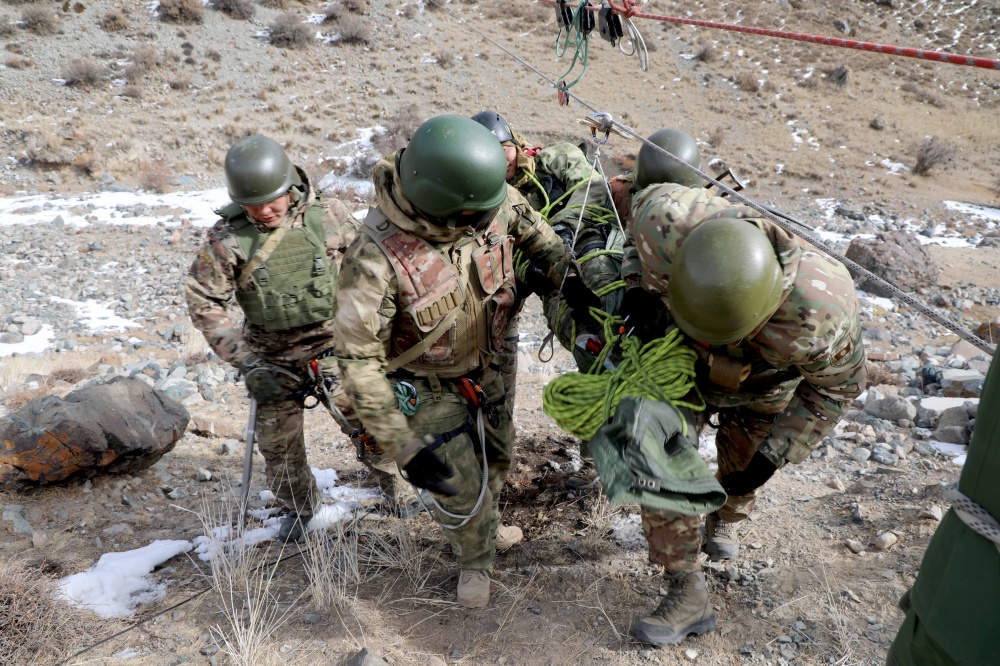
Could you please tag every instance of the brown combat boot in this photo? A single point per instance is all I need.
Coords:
(507, 536)
(685, 610)
(474, 588)
(722, 540)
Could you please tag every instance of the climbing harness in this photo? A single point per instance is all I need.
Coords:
(406, 398)
(974, 515)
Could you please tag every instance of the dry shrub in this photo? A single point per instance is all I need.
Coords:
(333, 14)
(445, 59)
(747, 81)
(356, 6)
(83, 72)
(35, 628)
(18, 398)
(241, 10)
(18, 2)
(18, 62)
(180, 82)
(717, 136)
(144, 59)
(354, 30)
(181, 11)
(839, 76)
(932, 152)
(288, 31)
(274, 4)
(880, 375)
(154, 176)
(399, 128)
(706, 51)
(808, 83)
(40, 19)
(69, 375)
(6, 27)
(113, 21)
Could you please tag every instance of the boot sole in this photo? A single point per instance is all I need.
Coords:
(717, 552)
(649, 634)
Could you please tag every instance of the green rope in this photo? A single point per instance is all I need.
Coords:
(580, 43)
(662, 369)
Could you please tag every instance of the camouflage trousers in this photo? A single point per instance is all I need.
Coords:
(675, 539)
(281, 441)
(397, 490)
(506, 361)
(442, 409)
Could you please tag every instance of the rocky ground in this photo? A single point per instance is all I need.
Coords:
(835, 540)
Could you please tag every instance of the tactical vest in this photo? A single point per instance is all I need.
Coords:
(295, 285)
(454, 299)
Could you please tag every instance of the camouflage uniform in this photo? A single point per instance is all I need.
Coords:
(211, 284)
(373, 324)
(799, 369)
(545, 174)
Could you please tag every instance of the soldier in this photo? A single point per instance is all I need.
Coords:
(423, 301)
(776, 327)
(277, 251)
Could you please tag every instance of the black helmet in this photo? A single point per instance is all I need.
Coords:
(495, 123)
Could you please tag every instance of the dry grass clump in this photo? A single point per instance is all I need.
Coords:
(21, 395)
(35, 628)
(18, 2)
(399, 128)
(356, 6)
(707, 52)
(445, 59)
(143, 60)
(181, 11)
(241, 10)
(354, 30)
(274, 4)
(717, 136)
(6, 27)
(113, 21)
(931, 153)
(747, 81)
(839, 76)
(40, 20)
(880, 375)
(18, 62)
(289, 32)
(154, 176)
(83, 73)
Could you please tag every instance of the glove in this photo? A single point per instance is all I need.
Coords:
(535, 282)
(265, 381)
(580, 299)
(425, 470)
(643, 313)
(750, 479)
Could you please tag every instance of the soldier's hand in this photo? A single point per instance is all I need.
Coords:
(580, 299)
(425, 470)
(641, 311)
(265, 381)
(535, 282)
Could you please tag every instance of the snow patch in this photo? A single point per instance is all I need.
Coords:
(32, 344)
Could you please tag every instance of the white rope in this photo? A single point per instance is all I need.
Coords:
(974, 515)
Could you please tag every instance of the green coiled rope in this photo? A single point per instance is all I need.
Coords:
(662, 369)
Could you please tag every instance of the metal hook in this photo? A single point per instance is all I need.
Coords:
(605, 123)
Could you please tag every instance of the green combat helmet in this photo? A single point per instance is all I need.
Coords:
(653, 167)
(258, 171)
(495, 123)
(453, 164)
(726, 280)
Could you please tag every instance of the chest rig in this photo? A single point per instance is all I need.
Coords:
(290, 284)
(454, 299)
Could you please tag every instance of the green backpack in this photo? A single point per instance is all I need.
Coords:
(647, 453)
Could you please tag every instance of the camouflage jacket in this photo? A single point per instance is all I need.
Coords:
(366, 313)
(812, 342)
(211, 285)
(565, 166)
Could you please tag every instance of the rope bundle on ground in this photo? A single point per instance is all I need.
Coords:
(662, 369)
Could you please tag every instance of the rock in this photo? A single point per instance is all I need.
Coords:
(855, 547)
(14, 513)
(835, 483)
(229, 447)
(989, 330)
(12, 338)
(203, 475)
(176, 388)
(119, 427)
(890, 407)
(31, 327)
(209, 427)
(843, 26)
(932, 512)
(885, 541)
(364, 658)
(961, 383)
(952, 435)
(39, 539)
(884, 456)
(860, 455)
(312, 618)
(177, 494)
(897, 258)
(954, 416)
(966, 350)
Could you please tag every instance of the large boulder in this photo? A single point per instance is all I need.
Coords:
(118, 427)
(895, 257)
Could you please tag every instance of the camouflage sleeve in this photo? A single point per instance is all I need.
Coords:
(341, 228)
(569, 163)
(209, 287)
(818, 330)
(536, 239)
(364, 309)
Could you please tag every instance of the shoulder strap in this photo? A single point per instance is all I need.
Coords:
(263, 253)
(414, 352)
